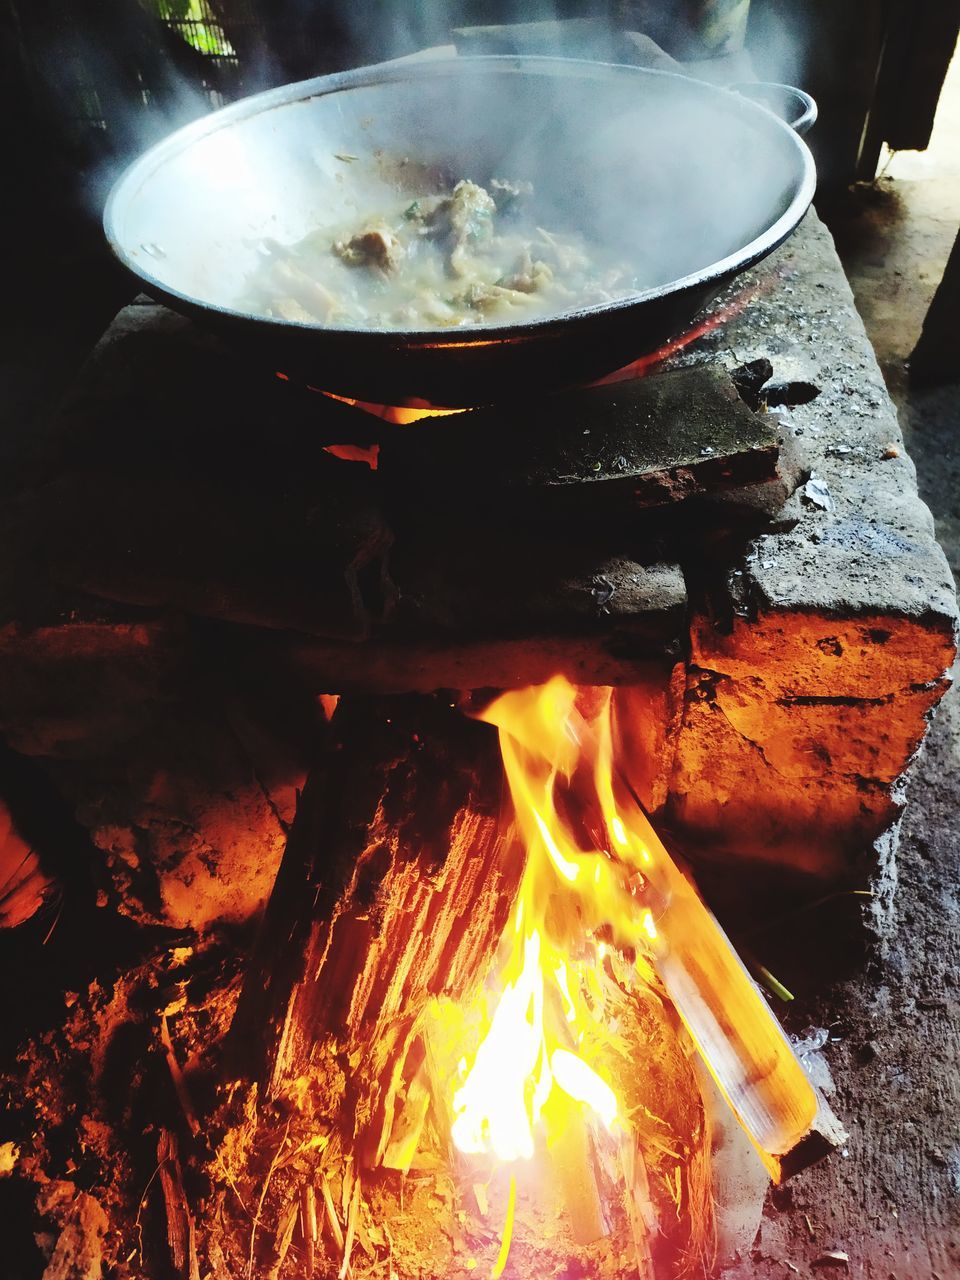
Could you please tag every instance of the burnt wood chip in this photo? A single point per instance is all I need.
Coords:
(832, 1258)
(750, 378)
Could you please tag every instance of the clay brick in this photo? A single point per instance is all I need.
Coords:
(828, 737)
(812, 654)
(726, 796)
(797, 729)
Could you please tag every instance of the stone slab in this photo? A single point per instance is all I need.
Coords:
(820, 647)
(619, 447)
(861, 540)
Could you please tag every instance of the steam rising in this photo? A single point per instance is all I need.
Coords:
(671, 177)
(597, 163)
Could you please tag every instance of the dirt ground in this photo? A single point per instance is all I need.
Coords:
(891, 1203)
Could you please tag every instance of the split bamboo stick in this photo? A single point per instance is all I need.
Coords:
(737, 1035)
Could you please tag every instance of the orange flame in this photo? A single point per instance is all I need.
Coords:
(544, 1015)
(594, 867)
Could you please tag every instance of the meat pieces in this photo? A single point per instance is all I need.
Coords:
(528, 274)
(459, 254)
(376, 247)
(471, 214)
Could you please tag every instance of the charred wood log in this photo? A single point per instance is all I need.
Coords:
(614, 659)
(395, 886)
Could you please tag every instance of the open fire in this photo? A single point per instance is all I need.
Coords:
(470, 1035)
(414, 410)
(602, 915)
(472, 1038)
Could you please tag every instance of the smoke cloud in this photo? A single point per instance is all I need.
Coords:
(671, 178)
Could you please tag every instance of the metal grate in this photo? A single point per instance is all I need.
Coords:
(196, 23)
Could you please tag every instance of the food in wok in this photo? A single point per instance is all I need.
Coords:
(454, 254)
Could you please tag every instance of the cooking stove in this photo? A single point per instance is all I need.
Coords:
(770, 577)
(206, 556)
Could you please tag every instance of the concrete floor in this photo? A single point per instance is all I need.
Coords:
(891, 1203)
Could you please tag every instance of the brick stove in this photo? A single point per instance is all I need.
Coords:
(192, 570)
(790, 621)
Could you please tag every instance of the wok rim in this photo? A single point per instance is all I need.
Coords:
(474, 335)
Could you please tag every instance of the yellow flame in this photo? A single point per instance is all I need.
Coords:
(399, 415)
(569, 870)
(546, 1005)
(500, 1265)
(600, 891)
(577, 1080)
(563, 982)
(501, 1099)
(598, 877)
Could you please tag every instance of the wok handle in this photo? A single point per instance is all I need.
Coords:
(792, 105)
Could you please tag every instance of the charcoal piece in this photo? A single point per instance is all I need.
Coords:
(750, 378)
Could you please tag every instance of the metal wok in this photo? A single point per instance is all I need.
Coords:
(688, 183)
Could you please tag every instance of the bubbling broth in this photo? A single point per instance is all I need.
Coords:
(462, 254)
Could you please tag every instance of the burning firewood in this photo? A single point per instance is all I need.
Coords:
(363, 989)
(458, 1044)
(407, 793)
(181, 1229)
